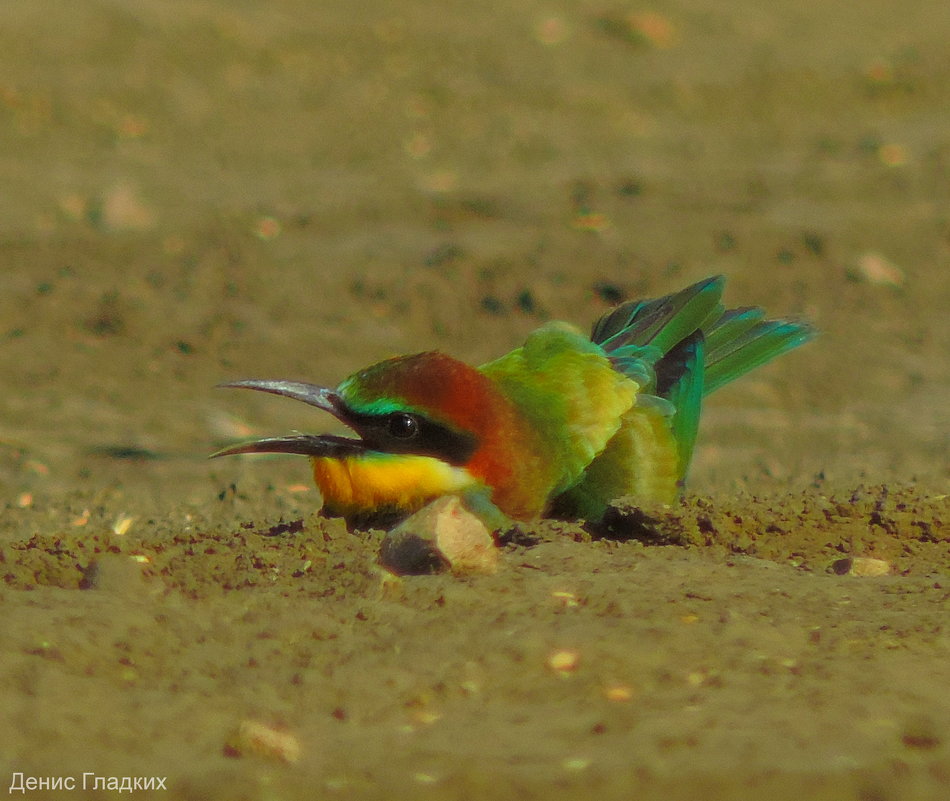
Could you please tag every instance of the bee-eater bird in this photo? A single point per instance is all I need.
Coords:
(560, 426)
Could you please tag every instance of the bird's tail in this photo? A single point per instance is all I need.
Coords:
(683, 346)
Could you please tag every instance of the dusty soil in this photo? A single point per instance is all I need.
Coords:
(197, 192)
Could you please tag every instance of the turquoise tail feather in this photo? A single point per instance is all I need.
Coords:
(741, 340)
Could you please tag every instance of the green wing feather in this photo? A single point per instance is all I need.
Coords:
(663, 340)
(662, 323)
(571, 396)
(745, 341)
(685, 345)
(681, 381)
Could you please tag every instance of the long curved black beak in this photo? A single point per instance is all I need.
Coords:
(305, 444)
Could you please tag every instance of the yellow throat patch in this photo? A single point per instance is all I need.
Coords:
(403, 482)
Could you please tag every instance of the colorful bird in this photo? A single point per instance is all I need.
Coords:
(560, 426)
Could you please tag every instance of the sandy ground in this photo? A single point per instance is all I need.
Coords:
(197, 192)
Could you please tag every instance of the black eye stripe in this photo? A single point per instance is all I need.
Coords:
(430, 438)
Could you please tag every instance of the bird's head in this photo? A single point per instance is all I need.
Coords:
(422, 423)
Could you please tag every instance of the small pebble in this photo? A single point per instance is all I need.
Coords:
(618, 692)
(576, 763)
(443, 535)
(564, 661)
(264, 739)
(122, 525)
(876, 268)
(861, 566)
(567, 599)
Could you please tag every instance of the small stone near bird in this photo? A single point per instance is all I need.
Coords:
(442, 536)
(861, 566)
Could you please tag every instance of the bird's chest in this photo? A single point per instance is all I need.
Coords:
(385, 481)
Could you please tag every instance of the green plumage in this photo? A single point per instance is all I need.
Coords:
(694, 346)
(678, 349)
(552, 380)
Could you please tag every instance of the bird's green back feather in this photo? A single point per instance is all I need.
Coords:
(551, 380)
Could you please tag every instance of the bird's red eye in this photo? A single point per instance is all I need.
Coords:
(403, 426)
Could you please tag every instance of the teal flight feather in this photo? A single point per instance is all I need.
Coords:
(678, 349)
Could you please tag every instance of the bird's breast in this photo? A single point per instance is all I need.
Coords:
(371, 481)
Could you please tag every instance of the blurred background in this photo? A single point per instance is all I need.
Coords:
(197, 192)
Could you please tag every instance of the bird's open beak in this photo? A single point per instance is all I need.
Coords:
(305, 444)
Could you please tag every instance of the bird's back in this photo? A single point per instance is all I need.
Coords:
(617, 413)
(570, 401)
